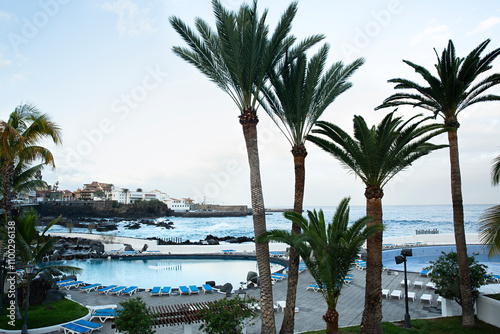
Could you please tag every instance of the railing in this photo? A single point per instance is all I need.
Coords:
(172, 315)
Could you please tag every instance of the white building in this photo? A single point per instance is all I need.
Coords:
(121, 195)
(178, 205)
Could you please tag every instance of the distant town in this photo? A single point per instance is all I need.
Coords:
(98, 191)
(101, 195)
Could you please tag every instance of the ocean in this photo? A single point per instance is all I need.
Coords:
(399, 221)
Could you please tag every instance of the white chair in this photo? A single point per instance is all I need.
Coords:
(385, 293)
(402, 283)
(397, 293)
(430, 285)
(420, 284)
(426, 297)
(412, 296)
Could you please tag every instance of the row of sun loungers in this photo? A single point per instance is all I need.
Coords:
(109, 290)
(183, 290)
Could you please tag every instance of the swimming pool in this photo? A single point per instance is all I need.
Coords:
(147, 273)
(422, 256)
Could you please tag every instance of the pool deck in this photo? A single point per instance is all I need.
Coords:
(311, 304)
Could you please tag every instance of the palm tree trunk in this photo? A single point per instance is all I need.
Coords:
(371, 322)
(287, 327)
(249, 122)
(458, 223)
(7, 180)
(332, 321)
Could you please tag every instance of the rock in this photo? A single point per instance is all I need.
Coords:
(228, 287)
(251, 274)
(52, 296)
(211, 283)
(128, 247)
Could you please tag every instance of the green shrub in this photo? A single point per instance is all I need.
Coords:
(444, 273)
(227, 316)
(134, 318)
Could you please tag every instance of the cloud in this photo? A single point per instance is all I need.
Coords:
(485, 25)
(434, 34)
(132, 20)
(20, 77)
(4, 62)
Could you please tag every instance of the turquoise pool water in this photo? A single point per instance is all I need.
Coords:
(147, 273)
(422, 256)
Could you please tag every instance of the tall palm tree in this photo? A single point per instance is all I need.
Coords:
(457, 87)
(237, 57)
(328, 250)
(376, 155)
(489, 222)
(298, 94)
(19, 137)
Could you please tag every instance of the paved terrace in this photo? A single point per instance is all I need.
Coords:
(311, 304)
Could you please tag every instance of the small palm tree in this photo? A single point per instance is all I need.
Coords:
(31, 247)
(328, 250)
(298, 94)
(19, 137)
(457, 87)
(489, 222)
(237, 57)
(376, 155)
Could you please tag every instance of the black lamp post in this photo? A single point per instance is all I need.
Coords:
(29, 270)
(402, 258)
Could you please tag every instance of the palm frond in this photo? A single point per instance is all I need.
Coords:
(489, 229)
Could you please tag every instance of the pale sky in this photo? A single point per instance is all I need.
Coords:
(135, 115)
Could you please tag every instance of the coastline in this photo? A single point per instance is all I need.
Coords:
(155, 249)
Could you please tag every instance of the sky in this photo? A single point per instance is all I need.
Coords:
(135, 115)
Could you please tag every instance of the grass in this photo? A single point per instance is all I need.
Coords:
(428, 326)
(496, 296)
(58, 312)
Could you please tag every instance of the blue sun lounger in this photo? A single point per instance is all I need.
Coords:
(106, 289)
(184, 289)
(91, 287)
(165, 291)
(72, 328)
(115, 290)
(128, 291)
(89, 324)
(104, 314)
(207, 288)
(194, 289)
(156, 291)
(65, 281)
(70, 285)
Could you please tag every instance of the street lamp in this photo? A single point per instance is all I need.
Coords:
(29, 270)
(402, 258)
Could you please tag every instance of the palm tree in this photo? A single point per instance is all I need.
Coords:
(376, 155)
(19, 136)
(297, 96)
(489, 222)
(328, 250)
(237, 57)
(455, 89)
